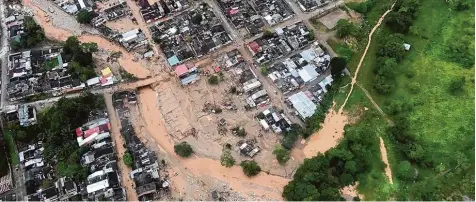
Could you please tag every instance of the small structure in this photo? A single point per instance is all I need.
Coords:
(406, 46)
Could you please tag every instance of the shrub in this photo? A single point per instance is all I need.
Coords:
(84, 16)
(233, 89)
(183, 149)
(226, 158)
(414, 87)
(239, 131)
(282, 154)
(404, 171)
(264, 70)
(250, 168)
(127, 158)
(213, 80)
(457, 85)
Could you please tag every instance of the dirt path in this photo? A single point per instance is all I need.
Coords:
(390, 122)
(55, 33)
(119, 145)
(354, 79)
(262, 186)
(333, 127)
(383, 152)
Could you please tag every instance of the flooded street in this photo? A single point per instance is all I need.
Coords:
(55, 33)
(263, 185)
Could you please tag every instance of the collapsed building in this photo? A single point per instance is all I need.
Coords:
(274, 119)
(113, 12)
(280, 43)
(192, 34)
(244, 77)
(73, 6)
(15, 27)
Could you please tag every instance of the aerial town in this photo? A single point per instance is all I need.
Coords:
(236, 100)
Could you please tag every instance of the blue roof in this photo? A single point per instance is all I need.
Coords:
(173, 60)
(190, 79)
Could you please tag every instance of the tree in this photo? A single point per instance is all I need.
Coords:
(345, 28)
(250, 168)
(267, 33)
(461, 5)
(337, 64)
(457, 85)
(460, 51)
(391, 46)
(289, 139)
(84, 16)
(226, 158)
(299, 191)
(127, 158)
(15, 45)
(213, 80)
(282, 154)
(384, 85)
(89, 47)
(404, 171)
(183, 149)
(197, 19)
(414, 87)
(264, 70)
(239, 131)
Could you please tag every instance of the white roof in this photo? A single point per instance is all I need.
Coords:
(328, 80)
(10, 19)
(93, 81)
(81, 4)
(97, 186)
(308, 73)
(96, 174)
(130, 35)
(303, 105)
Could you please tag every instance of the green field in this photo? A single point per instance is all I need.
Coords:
(442, 121)
(11, 148)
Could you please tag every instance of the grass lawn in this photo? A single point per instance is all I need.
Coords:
(11, 148)
(444, 122)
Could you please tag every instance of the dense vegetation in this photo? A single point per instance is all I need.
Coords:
(82, 65)
(56, 127)
(428, 93)
(32, 35)
(320, 178)
(183, 149)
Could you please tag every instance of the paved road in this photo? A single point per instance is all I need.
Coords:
(4, 54)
